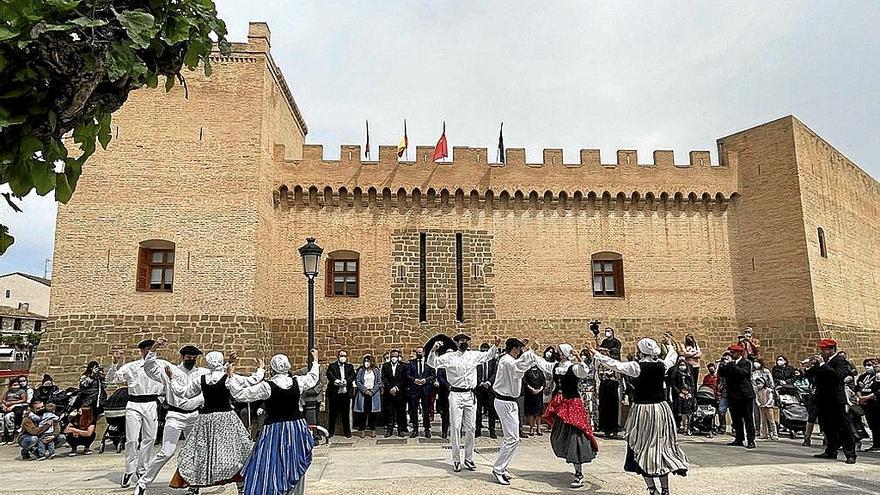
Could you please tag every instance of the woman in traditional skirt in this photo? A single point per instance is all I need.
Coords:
(283, 451)
(571, 433)
(652, 449)
(218, 446)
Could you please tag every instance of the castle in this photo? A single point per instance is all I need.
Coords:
(188, 227)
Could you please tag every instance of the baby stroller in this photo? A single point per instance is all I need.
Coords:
(793, 414)
(114, 413)
(707, 408)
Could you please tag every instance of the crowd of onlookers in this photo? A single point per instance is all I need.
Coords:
(392, 393)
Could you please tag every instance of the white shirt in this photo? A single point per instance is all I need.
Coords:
(192, 385)
(461, 367)
(242, 391)
(185, 402)
(136, 378)
(632, 368)
(508, 378)
(369, 378)
(580, 370)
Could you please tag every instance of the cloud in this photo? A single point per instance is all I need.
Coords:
(609, 75)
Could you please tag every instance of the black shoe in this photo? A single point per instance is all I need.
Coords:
(469, 465)
(456, 466)
(126, 480)
(414, 434)
(736, 443)
(500, 478)
(387, 433)
(427, 433)
(478, 433)
(807, 442)
(444, 434)
(492, 434)
(851, 460)
(825, 455)
(751, 445)
(140, 490)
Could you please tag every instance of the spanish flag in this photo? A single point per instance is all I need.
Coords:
(404, 143)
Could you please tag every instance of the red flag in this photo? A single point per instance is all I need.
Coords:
(441, 151)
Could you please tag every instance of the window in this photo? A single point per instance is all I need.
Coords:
(343, 274)
(823, 250)
(423, 293)
(459, 282)
(38, 325)
(8, 293)
(607, 275)
(16, 325)
(155, 266)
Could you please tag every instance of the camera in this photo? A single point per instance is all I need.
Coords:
(594, 327)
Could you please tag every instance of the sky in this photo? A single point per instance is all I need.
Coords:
(609, 75)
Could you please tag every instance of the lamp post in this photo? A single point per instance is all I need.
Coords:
(311, 258)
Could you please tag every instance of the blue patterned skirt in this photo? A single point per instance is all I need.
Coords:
(280, 458)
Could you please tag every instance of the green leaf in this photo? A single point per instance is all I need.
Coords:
(63, 5)
(63, 191)
(7, 119)
(169, 83)
(43, 177)
(123, 61)
(140, 26)
(6, 240)
(88, 23)
(7, 33)
(104, 129)
(152, 80)
(176, 30)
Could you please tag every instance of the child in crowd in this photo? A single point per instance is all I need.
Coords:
(49, 418)
(767, 405)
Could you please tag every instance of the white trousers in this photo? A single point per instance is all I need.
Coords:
(141, 420)
(508, 415)
(462, 414)
(175, 424)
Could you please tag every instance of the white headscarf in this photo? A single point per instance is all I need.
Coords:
(217, 366)
(279, 364)
(567, 350)
(648, 347)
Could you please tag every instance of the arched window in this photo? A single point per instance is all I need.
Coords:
(822, 249)
(607, 274)
(155, 272)
(343, 274)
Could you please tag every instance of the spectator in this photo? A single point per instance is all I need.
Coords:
(310, 399)
(13, 406)
(340, 380)
(80, 430)
(828, 371)
(683, 396)
(39, 440)
(692, 356)
(611, 343)
(485, 395)
(533, 402)
(807, 390)
(760, 372)
(782, 372)
(394, 388)
(92, 389)
(441, 383)
(549, 355)
(46, 389)
(23, 383)
(740, 394)
(420, 378)
(868, 387)
(368, 401)
(766, 405)
(609, 402)
(750, 344)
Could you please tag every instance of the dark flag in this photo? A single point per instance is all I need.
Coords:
(367, 147)
(404, 142)
(501, 158)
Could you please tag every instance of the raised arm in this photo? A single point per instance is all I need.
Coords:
(488, 355)
(671, 356)
(241, 391)
(310, 379)
(628, 368)
(117, 373)
(437, 360)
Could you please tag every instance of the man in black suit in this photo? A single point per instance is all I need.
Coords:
(737, 374)
(828, 372)
(395, 391)
(485, 395)
(420, 377)
(441, 384)
(340, 379)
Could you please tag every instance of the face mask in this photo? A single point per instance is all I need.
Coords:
(757, 366)
(462, 346)
(711, 371)
(366, 364)
(23, 383)
(583, 357)
(760, 385)
(484, 349)
(394, 360)
(39, 412)
(780, 362)
(682, 368)
(608, 334)
(420, 356)
(343, 359)
(869, 370)
(189, 364)
(548, 355)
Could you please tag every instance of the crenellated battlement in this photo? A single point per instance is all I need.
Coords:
(471, 173)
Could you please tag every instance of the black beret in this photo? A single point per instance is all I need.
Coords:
(512, 343)
(190, 350)
(461, 336)
(146, 344)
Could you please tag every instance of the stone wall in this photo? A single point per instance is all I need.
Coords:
(7, 323)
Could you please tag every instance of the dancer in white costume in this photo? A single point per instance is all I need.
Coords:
(461, 373)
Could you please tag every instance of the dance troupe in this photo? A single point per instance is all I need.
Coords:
(218, 449)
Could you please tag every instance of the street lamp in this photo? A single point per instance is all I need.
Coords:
(311, 257)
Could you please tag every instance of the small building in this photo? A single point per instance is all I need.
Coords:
(18, 288)
(20, 332)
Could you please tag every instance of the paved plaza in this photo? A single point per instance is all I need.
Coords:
(413, 467)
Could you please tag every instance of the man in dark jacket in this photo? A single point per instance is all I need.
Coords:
(340, 379)
(868, 388)
(395, 391)
(485, 395)
(442, 386)
(737, 374)
(828, 372)
(420, 377)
